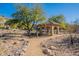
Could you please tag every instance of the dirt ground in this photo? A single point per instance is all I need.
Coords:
(34, 47)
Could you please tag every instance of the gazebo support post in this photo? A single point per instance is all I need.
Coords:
(58, 30)
(52, 30)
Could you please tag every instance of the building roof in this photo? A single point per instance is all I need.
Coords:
(53, 23)
(48, 24)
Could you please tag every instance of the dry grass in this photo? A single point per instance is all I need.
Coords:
(12, 47)
(62, 47)
(12, 44)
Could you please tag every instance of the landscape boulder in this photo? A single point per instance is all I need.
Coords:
(47, 51)
(52, 48)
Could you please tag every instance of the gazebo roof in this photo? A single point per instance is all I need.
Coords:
(48, 24)
(53, 23)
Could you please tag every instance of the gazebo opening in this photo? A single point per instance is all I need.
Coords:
(56, 30)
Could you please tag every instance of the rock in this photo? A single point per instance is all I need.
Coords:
(47, 51)
(24, 49)
(27, 41)
(14, 43)
(52, 47)
(44, 46)
(21, 40)
(4, 41)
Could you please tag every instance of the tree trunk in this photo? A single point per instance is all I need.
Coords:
(28, 32)
(36, 33)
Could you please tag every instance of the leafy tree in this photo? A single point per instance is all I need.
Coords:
(27, 18)
(12, 23)
(21, 18)
(63, 25)
(37, 16)
(2, 21)
(76, 25)
(58, 19)
(73, 27)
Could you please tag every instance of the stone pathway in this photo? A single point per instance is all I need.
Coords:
(34, 48)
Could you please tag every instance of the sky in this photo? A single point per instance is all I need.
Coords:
(69, 10)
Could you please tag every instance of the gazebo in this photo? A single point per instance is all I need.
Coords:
(50, 28)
